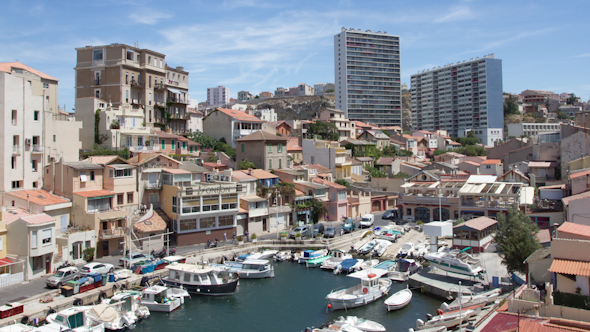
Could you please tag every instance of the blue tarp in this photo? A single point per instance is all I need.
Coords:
(82, 280)
(348, 263)
(148, 269)
(517, 279)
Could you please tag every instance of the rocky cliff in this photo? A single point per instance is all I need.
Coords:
(297, 108)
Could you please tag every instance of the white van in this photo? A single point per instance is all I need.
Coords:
(367, 221)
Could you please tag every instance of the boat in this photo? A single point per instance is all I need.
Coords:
(406, 249)
(112, 316)
(387, 233)
(399, 299)
(348, 265)
(404, 268)
(310, 254)
(380, 247)
(266, 254)
(448, 319)
(127, 303)
(243, 257)
(432, 329)
(316, 262)
(474, 299)
(366, 248)
(419, 250)
(337, 256)
(252, 268)
(367, 264)
(456, 261)
(282, 256)
(387, 265)
(75, 319)
(362, 324)
(202, 279)
(162, 298)
(371, 287)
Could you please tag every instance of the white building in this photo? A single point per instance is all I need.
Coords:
(318, 89)
(367, 73)
(267, 115)
(461, 97)
(532, 129)
(305, 90)
(217, 96)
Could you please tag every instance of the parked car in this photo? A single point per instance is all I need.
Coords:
(135, 257)
(349, 226)
(330, 232)
(317, 228)
(304, 230)
(97, 267)
(367, 221)
(62, 276)
(393, 215)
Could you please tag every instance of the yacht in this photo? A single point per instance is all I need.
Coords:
(203, 279)
(456, 261)
(252, 268)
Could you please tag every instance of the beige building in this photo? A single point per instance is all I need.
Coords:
(345, 127)
(265, 150)
(569, 251)
(230, 125)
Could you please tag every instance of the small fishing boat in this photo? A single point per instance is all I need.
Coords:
(202, 279)
(162, 298)
(448, 319)
(366, 248)
(75, 319)
(127, 303)
(252, 268)
(406, 249)
(282, 256)
(311, 254)
(337, 256)
(316, 262)
(348, 265)
(404, 268)
(380, 247)
(399, 299)
(470, 300)
(362, 324)
(371, 288)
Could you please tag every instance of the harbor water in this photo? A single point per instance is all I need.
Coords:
(292, 301)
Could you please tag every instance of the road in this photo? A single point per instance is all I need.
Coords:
(21, 291)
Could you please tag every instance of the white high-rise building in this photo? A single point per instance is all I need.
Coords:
(461, 97)
(367, 73)
(217, 96)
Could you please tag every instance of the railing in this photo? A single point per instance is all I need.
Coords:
(11, 279)
(97, 82)
(16, 149)
(153, 185)
(37, 148)
(136, 101)
(159, 86)
(136, 83)
(114, 232)
(178, 100)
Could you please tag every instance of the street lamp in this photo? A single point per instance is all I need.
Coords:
(440, 202)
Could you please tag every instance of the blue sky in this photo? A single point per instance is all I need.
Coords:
(261, 45)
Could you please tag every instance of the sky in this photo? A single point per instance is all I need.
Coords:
(261, 45)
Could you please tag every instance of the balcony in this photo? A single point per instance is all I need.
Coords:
(137, 84)
(97, 81)
(178, 100)
(135, 101)
(112, 233)
(16, 149)
(37, 148)
(153, 185)
(159, 86)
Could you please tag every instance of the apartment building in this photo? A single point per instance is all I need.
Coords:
(318, 89)
(34, 131)
(172, 112)
(305, 90)
(532, 129)
(367, 75)
(265, 150)
(329, 154)
(230, 125)
(217, 96)
(461, 97)
(244, 95)
(266, 94)
(344, 126)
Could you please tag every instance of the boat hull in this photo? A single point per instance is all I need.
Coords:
(164, 307)
(456, 269)
(340, 301)
(208, 290)
(399, 300)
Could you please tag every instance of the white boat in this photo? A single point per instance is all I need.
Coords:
(75, 319)
(367, 264)
(126, 302)
(399, 299)
(470, 300)
(432, 329)
(310, 254)
(266, 254)
(252, 268)
(348, 265)
(449, 319)
(420, 250)
(403, 269)
(161, 298)
(362, 324)
(202, 279)
(406, 249)
(456, 261)
(371, 287)
(366, 248)
(282, 256)
(112, 316)
(337, 257)
(380, 247)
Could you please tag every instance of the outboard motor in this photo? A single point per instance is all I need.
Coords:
(428, 316)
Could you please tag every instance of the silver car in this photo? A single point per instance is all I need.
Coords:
(62, 276)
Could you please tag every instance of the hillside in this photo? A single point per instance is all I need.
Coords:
(297, 108)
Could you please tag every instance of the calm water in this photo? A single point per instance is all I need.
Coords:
(291, 301)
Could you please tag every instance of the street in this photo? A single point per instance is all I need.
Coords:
(21, 291)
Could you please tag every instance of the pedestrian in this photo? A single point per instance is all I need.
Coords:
(341, 231)
(224, 237)
(234, 240)
(247, 236)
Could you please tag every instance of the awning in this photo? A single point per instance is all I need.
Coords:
(5, 262)
(575, 268)
(176, 91)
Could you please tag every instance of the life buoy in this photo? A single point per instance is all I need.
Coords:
(439, 312)
(365, 290)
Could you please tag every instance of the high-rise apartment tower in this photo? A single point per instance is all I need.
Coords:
(367, 70)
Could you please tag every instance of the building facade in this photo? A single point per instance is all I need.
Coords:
(217, 96)
(230, 125)
(367, 74)
(265, 150)
(461, 97)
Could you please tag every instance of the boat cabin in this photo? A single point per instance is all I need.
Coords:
(174, 259)
(476, 233)
(196, 274)
(72, 321)
(338, 253)
(371, 281)
(157, 294)
(256, 265)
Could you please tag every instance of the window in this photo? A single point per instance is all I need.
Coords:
(280, 148)
(97, 55)
(149, 60)
(270, 148)
(13, 162)
(207, 222)
(45, 85)
(36, 116)
(191, 149)
(280, 163)
(173, 144)
(188, 224)
(129, 198)
(1, 243)
(270, 163)
(91, 175)
(14, 117)
(83, 177)
(35, 184)
(46, 236)
(161, 63)
(184, 145)
(99, 204)
(34, 164)
(120, 199)
(121, 173)
(226, 221)
(15, 184)
(130, 55)
(163, 144)
(34, 239)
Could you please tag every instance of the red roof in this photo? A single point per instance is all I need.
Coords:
(5, 262)
(492, 162)
(566, 200)
(328, 183)
(176, 171)
(479, 224)
(95, 193)
(38, 197)
(575, 229)
(579, 174)
(575, 268)
(239, 115)
(7, 66)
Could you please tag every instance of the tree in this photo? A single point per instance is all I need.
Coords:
(375, 172)
(470, 139)
(562, 116)
(439, 152)
(329, 91)
(343, 182)
(225, 148)
(205, 141)
(571, 100)
(510, 106)
(516, 238)
(246, 164)
(99, 150)
(319, 208)
(402, 175)
(326, 130)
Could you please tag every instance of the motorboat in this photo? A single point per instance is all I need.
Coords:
(19, 327)
(75, 319)
(266, 254)
(337, 256)
(399, 299)
(112, 316)
(387, 265)
(362, 324)
(282, 256)
(404, 268)
(243, 257)
(387, 233)
(419, 250)
(311, 254)
(456, 261)
(126, 302)
(432, 329)
(448, 319)
(370, 288)
(252, 268)
(348, 265)
(366, 248)
(474, 299)
(380, 247)
(202, 279)
(406, 249)
(368, 263)
(162, 298)
(316, 262)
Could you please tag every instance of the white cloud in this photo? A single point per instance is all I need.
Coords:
(458, 13)
(585, 55)
(150, 17)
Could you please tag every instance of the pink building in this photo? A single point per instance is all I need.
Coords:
(337, 203)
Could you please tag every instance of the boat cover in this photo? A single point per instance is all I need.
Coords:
(365, 273)
(105, 313)
(348, 263)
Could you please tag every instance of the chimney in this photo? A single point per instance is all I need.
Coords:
(249, 171)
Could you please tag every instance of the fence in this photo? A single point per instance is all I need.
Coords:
(8, 279)
(571, 300)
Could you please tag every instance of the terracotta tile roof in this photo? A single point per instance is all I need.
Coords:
(471, 163)
(7, 67)
(566, 200)
(239, 115)
(38, 219)
(299, 192)
(262, 136)
(95, 193)
(39, 197)
(261, 174)
(479, 224)
(542, 164)
(100, 159)
(13, 214)
(573, 228)
(385, 160)
(151, 222)
(176, 171)
(294, 148)
(328, 183)
(318, 167)
(242, 175)
(492, 162)
(578, 174)
(544, 236)
(575, 268)
(214, 165)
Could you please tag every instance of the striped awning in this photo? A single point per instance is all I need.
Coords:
(575, 268)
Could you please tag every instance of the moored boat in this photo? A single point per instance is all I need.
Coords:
(111, 316)
(448, 319)
(337, 257)
(127, 303)
(311, 254)
(161, 298)
(362, 324)
(316, 262)
(404, 268)
(282, 256)
(406, 249)
(348, 265)
(399, 299)
(456, 261)
(252, 268)
(371, 288)
(75, 319)
(202, 279)
(470, 300)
